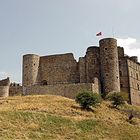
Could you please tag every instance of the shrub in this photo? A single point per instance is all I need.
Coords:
(87, 99)
(116, 99)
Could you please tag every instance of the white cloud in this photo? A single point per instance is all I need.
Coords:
(131, 46)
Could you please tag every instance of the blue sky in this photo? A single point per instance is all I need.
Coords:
(47, 27)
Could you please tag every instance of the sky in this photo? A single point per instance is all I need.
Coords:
(46, 27)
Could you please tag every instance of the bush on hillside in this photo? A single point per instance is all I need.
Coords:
(116, 99)
(87, 99)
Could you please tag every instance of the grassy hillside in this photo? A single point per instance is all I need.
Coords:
(58, 118)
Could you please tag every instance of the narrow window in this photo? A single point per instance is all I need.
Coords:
(138, 86)
(121, 85)
(119, 63)
(120, 73)
(137, 76)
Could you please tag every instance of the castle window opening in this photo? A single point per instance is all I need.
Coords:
(138, 86)
(44, 82)
(105, 48)
(121, 85)
(120, 73)
(17, 85)
(137, 76)
(34, 64)
(119, 63)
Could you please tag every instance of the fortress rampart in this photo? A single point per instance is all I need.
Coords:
(103, 69)
(99, 62)
(66, 90)
(61, 74)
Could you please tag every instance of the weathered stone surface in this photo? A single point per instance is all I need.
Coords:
(5, 82)
(134, 81)
(66, 90)
(109, 65)
(4, 91)
(58, 69)
(114, 70)
(15, 90)
(4, 87)
(30, 69)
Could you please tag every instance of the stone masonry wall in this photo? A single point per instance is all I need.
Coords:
(62, 75)
(4, 91)
(82, 70)
(4, 87)
(134, 81)
(123, 71)
(92, 64)
(15, 90)
(5, 82)
(58, 69)
(109, 65)
(66, 90)
(30, 69)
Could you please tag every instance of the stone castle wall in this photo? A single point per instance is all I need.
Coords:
(57, 69)
(4, 87)
(124, 75)
(4, 91)
(92, 64)
(66, 90)
(82, 70)
(107, 63)
(134, 81)
(15, 90)
(5, 82)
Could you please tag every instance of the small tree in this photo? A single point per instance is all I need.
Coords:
(116, 99)
(87, 99)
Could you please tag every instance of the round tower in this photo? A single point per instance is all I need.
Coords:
(30, 69)
(109, 65)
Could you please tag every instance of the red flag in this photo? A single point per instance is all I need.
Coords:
(99, 34)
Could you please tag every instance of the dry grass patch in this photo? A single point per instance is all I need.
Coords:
(58, 118)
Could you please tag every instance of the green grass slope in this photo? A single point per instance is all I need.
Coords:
(57, 118)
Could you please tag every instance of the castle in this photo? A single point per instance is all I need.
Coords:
(104, 69)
